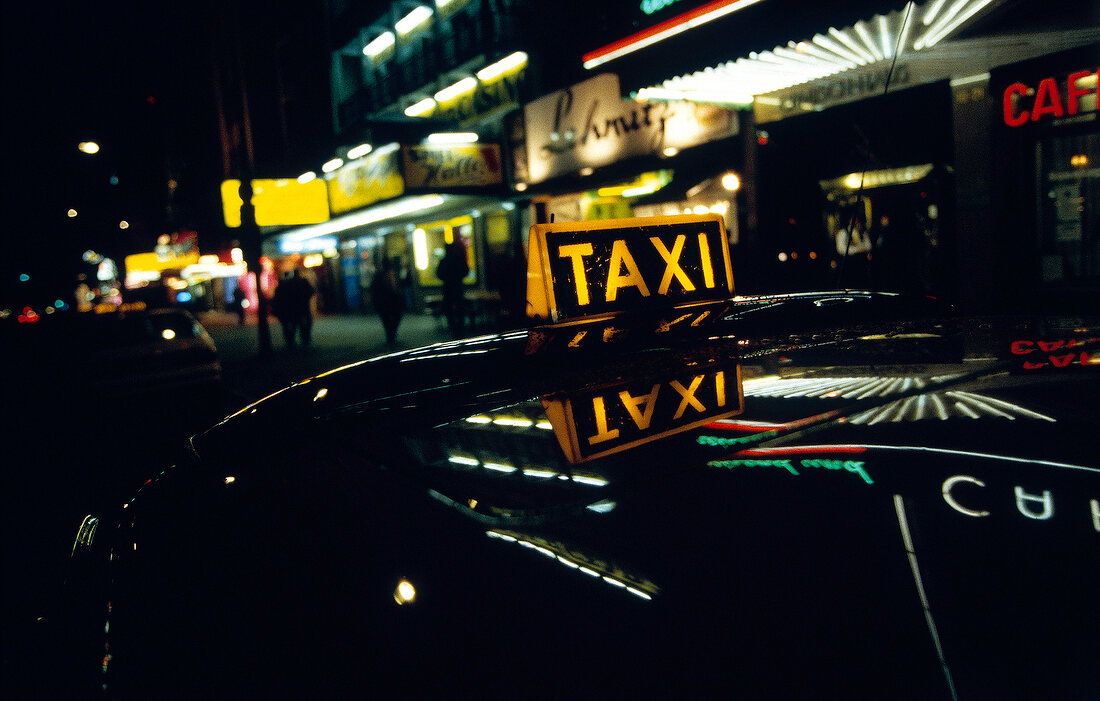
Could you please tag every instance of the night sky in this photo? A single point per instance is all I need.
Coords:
(138, 78)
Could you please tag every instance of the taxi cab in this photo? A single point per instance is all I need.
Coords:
(659, 489)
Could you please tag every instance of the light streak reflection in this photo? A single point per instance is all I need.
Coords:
(945, 404)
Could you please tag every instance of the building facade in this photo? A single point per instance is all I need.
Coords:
(945, 148)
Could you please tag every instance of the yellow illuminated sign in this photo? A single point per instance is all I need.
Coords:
(155, 263)
(594, 423)
(278, 202)
(365, 181)
(586, 270)
(452, 166)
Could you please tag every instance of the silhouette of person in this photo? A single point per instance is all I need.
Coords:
(291, 305)
(389, 299)
(451, 270)
(238, 304)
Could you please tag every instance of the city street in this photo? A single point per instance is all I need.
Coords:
(337, 340)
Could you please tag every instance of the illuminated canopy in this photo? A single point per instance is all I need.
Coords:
(829, 52)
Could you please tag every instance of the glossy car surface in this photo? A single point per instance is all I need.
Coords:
(897, 513)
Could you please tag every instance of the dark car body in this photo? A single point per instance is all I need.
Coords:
(897, 512)
(116, 354)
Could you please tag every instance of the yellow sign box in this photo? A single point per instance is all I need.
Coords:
(452, 166)
(593, 269)
(368, 180)
(278, 202)
(155, 263)
(594, 423)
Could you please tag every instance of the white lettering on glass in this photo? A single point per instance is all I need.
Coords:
(949, 484)
(1023, 498)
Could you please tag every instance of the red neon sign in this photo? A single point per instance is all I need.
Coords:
(1058, 353)
(1048, 99)
(670, 27)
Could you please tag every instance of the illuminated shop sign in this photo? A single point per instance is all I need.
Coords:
(319, 243)
(1050, 99)
(277, 202)
(158, 262)
(362, 182)
(715, 9)
(485, 97)
(591, 424)
(586, 269)
(589, 125)
(452, 166)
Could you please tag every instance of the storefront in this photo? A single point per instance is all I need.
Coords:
(941, 151)
(1045, 171)
(858, 195)
(404, 204)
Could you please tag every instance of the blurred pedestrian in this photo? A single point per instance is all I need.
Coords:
(292, 305)
(239, 304)
(452, 269)
(280, 307)
(389, 299)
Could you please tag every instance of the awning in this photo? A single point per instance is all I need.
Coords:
(393, 213)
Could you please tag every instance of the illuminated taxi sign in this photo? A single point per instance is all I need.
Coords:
(598, 422)
(586, 269)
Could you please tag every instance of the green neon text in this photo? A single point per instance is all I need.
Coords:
(854, 466)
(651, 6)
(717, 441)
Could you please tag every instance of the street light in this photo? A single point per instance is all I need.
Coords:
(88, 147)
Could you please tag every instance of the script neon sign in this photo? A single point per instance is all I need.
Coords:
(853, 466)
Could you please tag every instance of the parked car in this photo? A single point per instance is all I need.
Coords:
(136, 354)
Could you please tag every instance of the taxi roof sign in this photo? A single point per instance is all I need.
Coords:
(593, 422)
(593, 269)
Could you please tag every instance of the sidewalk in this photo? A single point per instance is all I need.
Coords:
(337, 340)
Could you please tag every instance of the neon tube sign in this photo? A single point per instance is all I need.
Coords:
(1048, 100)
(853, 466)
(659, 32)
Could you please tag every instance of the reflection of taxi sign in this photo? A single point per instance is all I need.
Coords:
(598, 268)
(598, 422)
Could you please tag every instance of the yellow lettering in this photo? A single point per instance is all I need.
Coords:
(688, 396)
(720, 387)
(620, 255)
(704, 257)
(576, 342)
(665, 326)
(576, 252)
(672, 264)
(602, 434)
(641, 418)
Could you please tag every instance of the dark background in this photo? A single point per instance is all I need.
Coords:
(143, 80)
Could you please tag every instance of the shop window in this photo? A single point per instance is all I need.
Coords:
(1069, 215)
(430, 242)
(497, 232)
